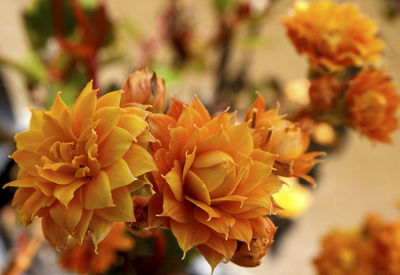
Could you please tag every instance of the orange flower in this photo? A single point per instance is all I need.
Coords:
(324, 93)
(345, 253)
(284, 138)
(213, 188)
(371, 103)
(84, 260)
(78, 166)
(385, 238)
(332, 35)
(145, 88)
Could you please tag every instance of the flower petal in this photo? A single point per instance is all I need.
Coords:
(211, 158)
(100, 228)
(119, 174)
(114, 146)
(107, 119)
(82, 227)
(65, 193)
(212, 256)
(54, 233)
(212, 213)
(225, 247)
(97, 192)
(109, 99)
(66, 217)
(139, 160)
(189, 234)
(134, 124)
(241, 231)
(179, 211)
(196, 188)
(83, 109)
(123, 209)
(174, 180)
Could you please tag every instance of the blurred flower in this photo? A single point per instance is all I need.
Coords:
(333, 35)
(385, 238)
(213, 188)
(284, 138)
(345, 253)
(371, 102)
(324, 93)
(78, 166)
(375, 249)
(83, 259)
(145, 88)
(293, 198)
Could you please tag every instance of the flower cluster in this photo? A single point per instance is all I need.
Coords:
(213, 178)
(79, 165)
(346, 85)
(375, 249)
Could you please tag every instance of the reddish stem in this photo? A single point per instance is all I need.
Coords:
(82, 21)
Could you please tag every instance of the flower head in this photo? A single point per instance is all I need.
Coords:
(345, 253)
(274, 134)
(78, 166)
(371, 103)
(145, 88)
(83, 259)
(333, 35)
(385, 239)
(213, 188)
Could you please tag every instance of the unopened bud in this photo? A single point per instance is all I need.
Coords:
(145, 88)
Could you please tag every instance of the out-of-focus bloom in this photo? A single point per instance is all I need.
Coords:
(145, 88)
(371, 103)
(293, 198)
(375, 249)
(345, 253)
(324, 93)
(84, 260)
(385, 238)
(284, 138)
(213, 188)
(79, 165)
(333, 35)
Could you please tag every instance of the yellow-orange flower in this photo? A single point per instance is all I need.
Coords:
(284, 138)
(78, 166)
(83, 259)
(371, 103)
(333, 35)
(213, 188)
(345, 253)
(385, 239)
(145, 88)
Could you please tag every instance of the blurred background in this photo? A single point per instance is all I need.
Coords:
(221, 50)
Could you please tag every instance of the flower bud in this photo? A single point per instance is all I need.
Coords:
(145, 88)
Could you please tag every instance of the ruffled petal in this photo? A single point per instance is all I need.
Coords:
(97, 192)
(114, 146)
(139, 160)
(123, 209)
(189, 234)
